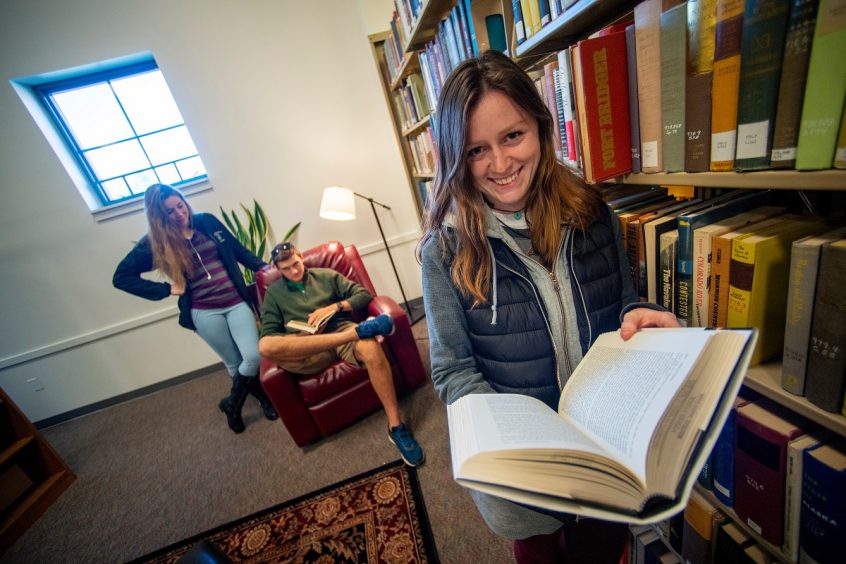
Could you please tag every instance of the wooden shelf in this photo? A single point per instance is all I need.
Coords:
(410, 65)
(416, 128)
(777, 179)
(427, 24)
(581, 17)
(772, 550)
(766, 380)
(45, 475)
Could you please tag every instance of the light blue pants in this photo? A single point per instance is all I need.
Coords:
(231, 333)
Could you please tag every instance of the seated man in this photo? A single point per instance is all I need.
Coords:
(308, 294)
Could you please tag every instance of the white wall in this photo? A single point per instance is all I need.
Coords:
(282, 98)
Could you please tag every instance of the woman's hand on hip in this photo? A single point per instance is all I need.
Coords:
(641, 317)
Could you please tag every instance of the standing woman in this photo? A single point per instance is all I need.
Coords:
(200, 257)
(523, 267)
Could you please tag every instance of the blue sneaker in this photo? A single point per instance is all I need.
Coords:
(381, 325)
(408, 446)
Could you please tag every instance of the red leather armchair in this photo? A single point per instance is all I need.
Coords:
(318, 405)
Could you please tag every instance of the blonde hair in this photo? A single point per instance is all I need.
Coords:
(555, 195)
(167, 242)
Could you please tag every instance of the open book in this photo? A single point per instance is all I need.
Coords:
(635, 424)
(311, 328)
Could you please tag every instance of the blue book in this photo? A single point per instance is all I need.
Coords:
(822, 516)
(519, 26)
(468, 12)
(738, 202)
(722, 457)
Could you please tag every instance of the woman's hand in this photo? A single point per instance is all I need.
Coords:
(641, 317)
(320, 312)
(177, 289)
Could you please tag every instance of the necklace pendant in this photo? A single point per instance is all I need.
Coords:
(518, 215)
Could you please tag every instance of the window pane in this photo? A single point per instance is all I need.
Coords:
(116, 189)
(140, 181)
(118, 159)
(147, 101)
(191, 168)
(167, 174)
(169, 145)
(93, 115)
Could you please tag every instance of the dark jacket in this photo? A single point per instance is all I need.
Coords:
(127, 276)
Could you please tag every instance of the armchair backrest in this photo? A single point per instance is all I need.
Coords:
(334, 255)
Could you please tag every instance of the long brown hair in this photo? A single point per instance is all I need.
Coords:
(555, 195)
(170, 254)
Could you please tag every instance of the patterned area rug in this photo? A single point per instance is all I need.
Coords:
(378, 516)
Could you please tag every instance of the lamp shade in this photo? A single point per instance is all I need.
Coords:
(338, 204)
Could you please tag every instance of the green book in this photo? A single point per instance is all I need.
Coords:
(673, 74)
(825, 89)
(762, 43)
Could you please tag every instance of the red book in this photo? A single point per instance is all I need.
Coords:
(763, 430)
(601, 85)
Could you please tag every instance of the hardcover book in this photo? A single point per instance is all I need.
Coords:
(725, 83)
(702, 256)
(634, 114)
(801, 292)
(823, 513)
(758, 283)
(764, 29)
(739, 201)
(793, 488)
(763, 430)
(825, 89)
(647, 16)
(721, 261)
(630, 457)
(601, 86)
(317, 326)
(723, 455)
(701, 521)
(673, 32)
(826, 375)
(701, 21)
(791, 88)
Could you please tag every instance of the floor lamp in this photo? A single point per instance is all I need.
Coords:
(339, 204)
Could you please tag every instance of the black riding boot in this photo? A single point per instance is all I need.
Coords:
(232, 404)
(257, 391)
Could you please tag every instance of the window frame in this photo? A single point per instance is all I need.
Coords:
(43, 86)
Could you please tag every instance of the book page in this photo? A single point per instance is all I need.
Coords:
(621, 389)
(493, 422)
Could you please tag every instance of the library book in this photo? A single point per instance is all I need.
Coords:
(311, 328)
(636, 423)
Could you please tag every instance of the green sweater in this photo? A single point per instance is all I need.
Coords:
(283, 302)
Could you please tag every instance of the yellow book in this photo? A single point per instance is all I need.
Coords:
(531, 17)
(726, 84)
(758, 277)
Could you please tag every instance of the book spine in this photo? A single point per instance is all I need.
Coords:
(697, 148)
(764, 28)
(825, 89)
(720, 262)
(669, 243)
(530, 16)
(561, 124)
(634, 115)
(471, 28)
(826, 374)
(793, 490)
(673, 39)
(822, 518)
(699, 285)
(724, 462)
(791, 88)
(647, 16)
(565, 71)
(519, 26)
(804, 262)
(549, 70)
(632, 253)
(760, 477)
(543, 11)
(741, 274)
(725, 83)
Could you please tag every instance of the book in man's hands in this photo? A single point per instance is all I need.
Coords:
(311, 328)
(635, 424)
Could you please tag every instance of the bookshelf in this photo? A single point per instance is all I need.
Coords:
(32, 474)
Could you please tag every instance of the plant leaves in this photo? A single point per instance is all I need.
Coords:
(291, 231)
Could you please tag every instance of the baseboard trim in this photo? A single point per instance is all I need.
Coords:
(134, 394)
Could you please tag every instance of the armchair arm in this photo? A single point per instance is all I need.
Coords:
(286, 399)
(402, 341)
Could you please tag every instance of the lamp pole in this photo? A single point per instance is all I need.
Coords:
(373, 204)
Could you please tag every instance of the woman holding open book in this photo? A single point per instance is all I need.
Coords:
(523, 267)
(200, 257)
